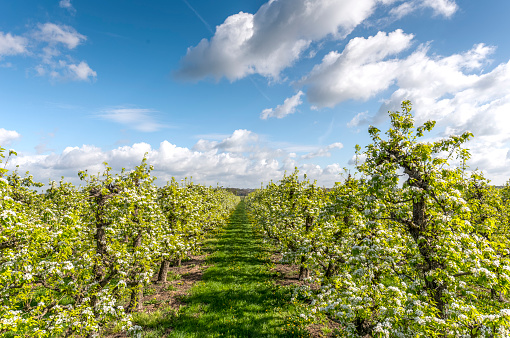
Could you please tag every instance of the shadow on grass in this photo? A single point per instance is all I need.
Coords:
(237, 296)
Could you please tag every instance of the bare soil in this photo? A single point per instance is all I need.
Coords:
(288, 275)
(169, 295)
(180, 279)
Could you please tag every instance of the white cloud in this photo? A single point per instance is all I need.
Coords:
(271, 39)
(280, 32)
(206, 145)
(360, 119)
(467, 102)
(357, 159)
(403, 9)
(55, 34)
(288, 107)
(67, 5)
(12, 44)
(7, 136)
(359, 72)
(82, 71)
(441, 7)
(455, 90)
(447, 90)
(135, 118)
(444, 8)
(63, 71)
(57, 40)
(323, 152)
(240, 141)
(491, 158)
(227, 165)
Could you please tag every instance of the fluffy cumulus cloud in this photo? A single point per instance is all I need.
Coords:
(459, 91)
(492, 159)
(12, 44)
(359, 72)
(241, 159)
(288, 107)
(7, 136)
(449, 91)
(273, 38)
(440, 7)
(279, 33)
(357, 159)
(140, 119)
(454, 90)
(241, 141)
(81, 71)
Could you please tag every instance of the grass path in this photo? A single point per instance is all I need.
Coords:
(237, 296)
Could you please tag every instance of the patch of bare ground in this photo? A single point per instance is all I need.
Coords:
(169, 295)
(179, 280)
(288, 275)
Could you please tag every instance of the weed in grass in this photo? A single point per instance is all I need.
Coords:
(149, 291)
(326, 330)
(173, 276)
(152, 301)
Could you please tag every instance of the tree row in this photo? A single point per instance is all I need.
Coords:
(74, 261)
(412, 244)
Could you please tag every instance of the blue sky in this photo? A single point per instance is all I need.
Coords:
(238, 92)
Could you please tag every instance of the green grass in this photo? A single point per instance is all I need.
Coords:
(237, 296)
(171, 276)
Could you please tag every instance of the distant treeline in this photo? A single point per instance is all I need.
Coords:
(240, 191)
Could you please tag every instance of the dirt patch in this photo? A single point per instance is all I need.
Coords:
(179, 280)
(169, 295)
(288, 275)
(323, 330)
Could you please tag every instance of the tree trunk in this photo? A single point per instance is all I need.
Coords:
(423, 239)
(303, 272)
(135, 303)
(163, 271)
(330, 271)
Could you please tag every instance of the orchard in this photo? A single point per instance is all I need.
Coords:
(410, 244)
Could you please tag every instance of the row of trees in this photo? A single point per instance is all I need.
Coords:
(74, 260)
(409, 246)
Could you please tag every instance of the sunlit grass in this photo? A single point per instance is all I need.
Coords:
(237, 296)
